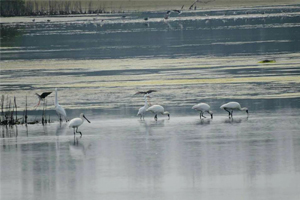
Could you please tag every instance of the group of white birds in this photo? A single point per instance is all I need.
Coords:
(201, 107)
(229, 107)
(61, 113)
(155, 109)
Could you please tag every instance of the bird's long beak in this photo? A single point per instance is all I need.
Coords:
(86, 119)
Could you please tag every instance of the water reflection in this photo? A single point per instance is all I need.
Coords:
(204, 121)
(132, 156)
(61, 128)
(77, 149)
(236, 120)
(149, 126)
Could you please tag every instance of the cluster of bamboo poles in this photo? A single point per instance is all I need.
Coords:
(9, 113)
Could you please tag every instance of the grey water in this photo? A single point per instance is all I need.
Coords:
(98, 63)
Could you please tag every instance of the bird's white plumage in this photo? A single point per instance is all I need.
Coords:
(156, 109)
(75, 122)
(231, 106)
(59, 109)
(201, 107)
(143, 109)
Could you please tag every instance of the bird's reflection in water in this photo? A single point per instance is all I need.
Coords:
(158, 123)
(61, 128)
(204, 122)
(77, 149)
(148, 125)
(235, 120)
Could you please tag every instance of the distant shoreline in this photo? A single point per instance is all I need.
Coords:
(71, 7)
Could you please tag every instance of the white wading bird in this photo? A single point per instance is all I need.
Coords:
(231, 106)
(158, 109)
(76, 122)
(143, 109)
(203, 107)
(60, 111)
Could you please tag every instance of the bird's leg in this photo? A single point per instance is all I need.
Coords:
(155, 117)
(38, 104)
(200, 115)
(228, 112)
(231, 113)
(78, 132)
(74, 131)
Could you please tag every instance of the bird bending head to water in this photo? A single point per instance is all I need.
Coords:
(158, 109)
(76, 122)
(203, 107)
(231, 106)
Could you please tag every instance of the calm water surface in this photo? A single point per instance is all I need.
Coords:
(243, 158)
(99, 62)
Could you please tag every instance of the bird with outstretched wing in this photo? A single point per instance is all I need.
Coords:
(42, 97)
(147, 92)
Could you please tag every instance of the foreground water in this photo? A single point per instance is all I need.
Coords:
(199, 56)
(180, 158)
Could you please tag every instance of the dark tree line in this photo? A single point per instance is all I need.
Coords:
(12, 7)
(51, 7)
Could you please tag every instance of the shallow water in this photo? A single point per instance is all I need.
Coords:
(184, 157)
(199, 56)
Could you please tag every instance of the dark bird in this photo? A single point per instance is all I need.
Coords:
(147, 92)
(177, 11)
(146, 18)
(170, 11)
(267, 61)
(42, 97)
(199, 1)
